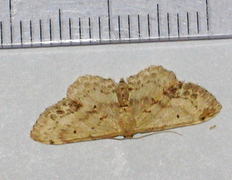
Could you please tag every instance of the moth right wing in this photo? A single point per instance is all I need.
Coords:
(89, 112)
(159, 101)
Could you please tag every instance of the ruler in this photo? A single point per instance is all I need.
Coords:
(43, 23)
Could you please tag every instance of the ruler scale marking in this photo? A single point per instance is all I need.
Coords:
(109, 18)
(50, 30)
(207, 14)
(168, 24)
(70, 29)
(115, 23)
(21, 33)
(31, 34)
(99, 29)
(119, 28)
(178, 24)
(90, 35)
(80, 30)
(148, 26)
(198, 24)
(40, 31)
(139, 29)
(158, 20)
(129, 27)
(1, 33)
(60, 25)
(11, 25)
(188, 28)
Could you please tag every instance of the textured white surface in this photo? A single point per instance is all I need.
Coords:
(33, 79)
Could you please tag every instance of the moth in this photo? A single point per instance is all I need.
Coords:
(97, 108)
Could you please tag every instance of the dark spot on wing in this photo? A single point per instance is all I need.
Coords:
(186, 93)
(146, 111)
(171, 91)
(153, 101)
(60, 112)
(53, 116)
(103, 117)
(207, 112)
(51, 141)
(194, 96)
(74, 105)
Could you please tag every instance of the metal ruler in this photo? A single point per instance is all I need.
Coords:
(39, 23)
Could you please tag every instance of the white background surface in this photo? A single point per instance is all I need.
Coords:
(33, 79)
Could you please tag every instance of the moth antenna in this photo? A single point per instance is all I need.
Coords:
(158, 132)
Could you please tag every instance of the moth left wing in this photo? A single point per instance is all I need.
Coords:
(89, 112)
